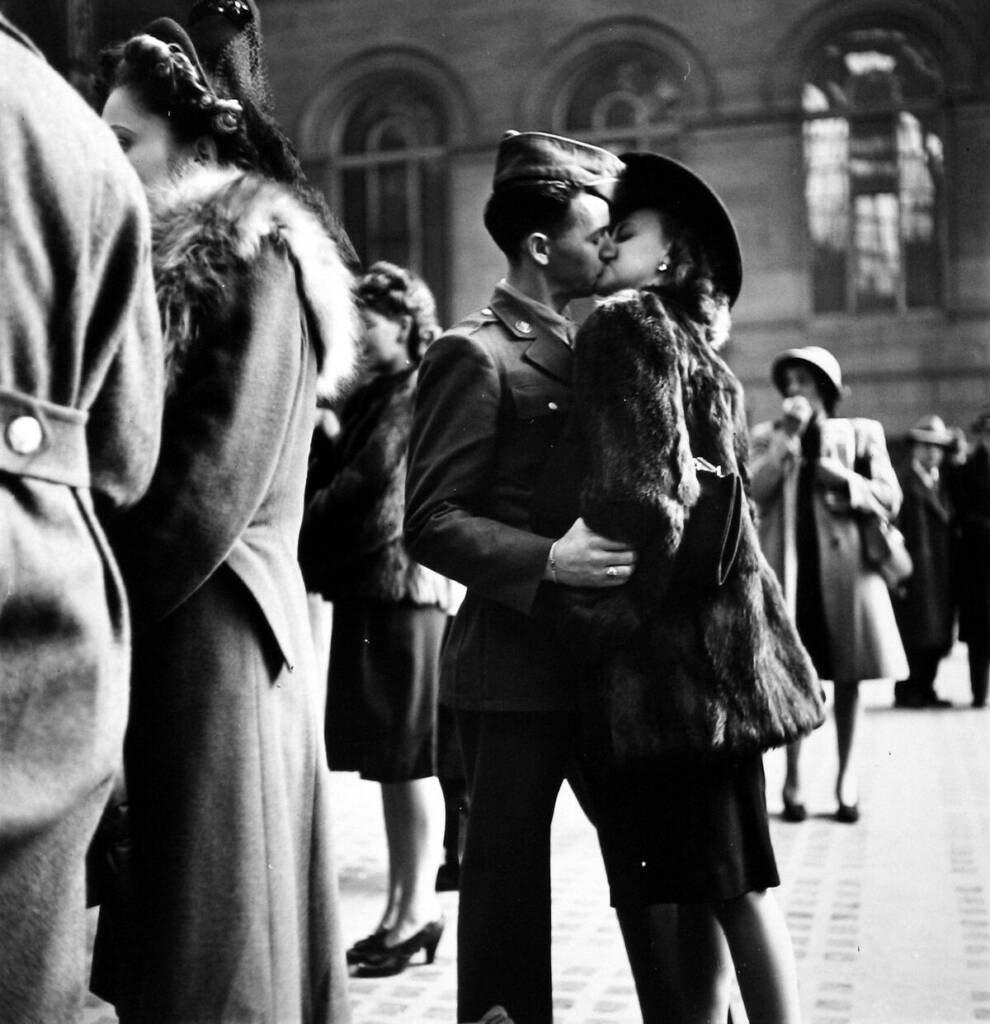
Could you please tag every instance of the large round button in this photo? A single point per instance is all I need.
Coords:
(24, 435)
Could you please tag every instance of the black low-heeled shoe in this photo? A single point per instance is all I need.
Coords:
(848, 814)
(373, 943)
(395, 959)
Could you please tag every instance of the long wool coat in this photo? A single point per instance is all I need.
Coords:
(235, 890)
(972, 493)
(80, 356)
(864, 642)
(925, 612)
(678, 674)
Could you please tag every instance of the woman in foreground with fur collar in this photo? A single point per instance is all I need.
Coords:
(691, 680)
(234, 909)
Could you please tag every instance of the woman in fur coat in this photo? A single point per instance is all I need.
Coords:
(234, 915)
(389, 614)
(692, 680)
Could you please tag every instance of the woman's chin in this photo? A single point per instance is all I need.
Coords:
(609, 283)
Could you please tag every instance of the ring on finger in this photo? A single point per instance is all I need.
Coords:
(612, 572)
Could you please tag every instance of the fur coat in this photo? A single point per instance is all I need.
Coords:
(225, 760)
(723, 671)
(352, 543)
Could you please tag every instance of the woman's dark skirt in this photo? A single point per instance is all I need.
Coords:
(382, 690)
(683, 833)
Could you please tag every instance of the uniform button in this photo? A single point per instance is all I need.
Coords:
(523, 326)
(553, 406)
(24, 435)
(486, 312)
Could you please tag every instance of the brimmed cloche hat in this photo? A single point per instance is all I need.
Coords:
(536, 156)
(817, 358)
(654, 181)
(932, 430)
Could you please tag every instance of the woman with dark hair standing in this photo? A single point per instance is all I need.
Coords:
(694, 667)
(389, 614)
(234, 915)
(813, 475)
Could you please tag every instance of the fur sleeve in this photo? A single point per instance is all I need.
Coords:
(641, 481)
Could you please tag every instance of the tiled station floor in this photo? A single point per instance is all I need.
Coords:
(889, 917)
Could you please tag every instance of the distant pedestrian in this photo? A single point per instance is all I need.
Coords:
(80, 417)
(925, 607)
(971, 490)
(813, 476)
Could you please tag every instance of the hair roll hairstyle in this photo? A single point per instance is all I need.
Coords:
(393, 291)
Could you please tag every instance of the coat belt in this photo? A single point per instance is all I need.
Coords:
(42, 440)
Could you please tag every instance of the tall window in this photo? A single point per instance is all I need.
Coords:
(390, 180)
(874, 173)
(626, 97)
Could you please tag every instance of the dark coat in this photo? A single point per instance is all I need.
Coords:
(493, 396)
(676, 672)
(352, 543)
(971, 491)
(925, 612)
(226, 770)
(80, 377)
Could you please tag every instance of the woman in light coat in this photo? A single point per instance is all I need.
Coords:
(234, 909)
(813, 477)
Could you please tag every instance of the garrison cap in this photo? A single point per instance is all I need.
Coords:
(537, 156)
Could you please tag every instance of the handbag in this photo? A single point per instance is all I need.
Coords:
(885, 550)
(710, 543)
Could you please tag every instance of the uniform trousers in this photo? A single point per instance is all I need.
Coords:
(515, 763)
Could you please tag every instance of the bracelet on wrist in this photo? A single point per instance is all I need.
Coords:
(552, 563)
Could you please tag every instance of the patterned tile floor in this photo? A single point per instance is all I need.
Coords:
(889, 917)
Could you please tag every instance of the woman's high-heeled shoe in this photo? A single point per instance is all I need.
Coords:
(373, 943)
(793, 810)
(395, 959)
(848, 814)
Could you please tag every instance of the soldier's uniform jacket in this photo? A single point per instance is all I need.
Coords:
(493, 397)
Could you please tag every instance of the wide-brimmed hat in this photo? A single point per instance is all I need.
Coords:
(654, 181)
(536, 156)
(931, 430)
(817, 358)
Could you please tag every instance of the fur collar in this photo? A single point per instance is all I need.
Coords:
(211, 222)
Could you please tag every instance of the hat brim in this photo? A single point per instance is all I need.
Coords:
(797, 356)
(931, 437)
(653, 181)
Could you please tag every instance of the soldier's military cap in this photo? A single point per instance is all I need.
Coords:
(537, 156)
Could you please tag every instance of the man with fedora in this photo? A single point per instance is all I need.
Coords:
(494, 393)
(971, 493)
(924, 608)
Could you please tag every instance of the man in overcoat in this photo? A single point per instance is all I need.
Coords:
(80, 411)
(925, 612)
(493, 395)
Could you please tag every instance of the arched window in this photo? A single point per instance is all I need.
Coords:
(626, 96)
(385, 172)
(874, 173)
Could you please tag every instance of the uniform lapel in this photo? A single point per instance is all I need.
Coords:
(545, 350)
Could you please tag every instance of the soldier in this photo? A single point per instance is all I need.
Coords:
(494, 392)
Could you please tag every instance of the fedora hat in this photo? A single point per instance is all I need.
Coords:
(817, 358)
(654, 181)
(536, 156)
(931, 430)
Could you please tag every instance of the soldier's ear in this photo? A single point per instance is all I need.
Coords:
(537, 247)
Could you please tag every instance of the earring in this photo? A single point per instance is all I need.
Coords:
(663, 266)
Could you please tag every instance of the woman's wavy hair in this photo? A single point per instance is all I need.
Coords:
(169, 84)
(691, 282)
(393, 291)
